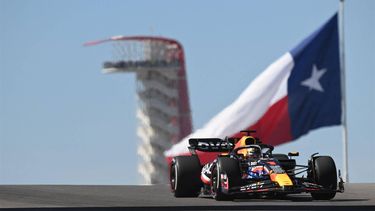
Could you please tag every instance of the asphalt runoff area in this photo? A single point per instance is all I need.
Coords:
(159, 197)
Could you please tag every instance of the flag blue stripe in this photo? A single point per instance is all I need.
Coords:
(315, 101)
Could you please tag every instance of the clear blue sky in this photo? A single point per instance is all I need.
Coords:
(63, 122)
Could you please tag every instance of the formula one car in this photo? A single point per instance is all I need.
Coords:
(246, 167)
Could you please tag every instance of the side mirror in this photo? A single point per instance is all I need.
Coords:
(293, 154)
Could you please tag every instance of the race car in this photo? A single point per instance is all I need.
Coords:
(246, 167)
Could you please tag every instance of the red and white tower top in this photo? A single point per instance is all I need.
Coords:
(164, 109)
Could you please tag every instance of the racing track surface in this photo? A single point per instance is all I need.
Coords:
(158, 197)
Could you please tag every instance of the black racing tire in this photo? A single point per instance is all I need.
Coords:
(230, 167)
(185, 176)
(280, 156)
(286, 163)
(324, 174)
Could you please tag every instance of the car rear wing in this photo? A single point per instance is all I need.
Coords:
(210, 145)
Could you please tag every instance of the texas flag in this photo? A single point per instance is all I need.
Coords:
(299, 92)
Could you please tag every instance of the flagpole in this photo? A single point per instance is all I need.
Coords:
(343, 92)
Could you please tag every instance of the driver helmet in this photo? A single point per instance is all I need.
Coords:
(253, 152)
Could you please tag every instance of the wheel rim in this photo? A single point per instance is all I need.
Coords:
(173, 179)
(215, 181)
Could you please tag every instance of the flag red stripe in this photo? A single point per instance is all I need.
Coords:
(274, 127)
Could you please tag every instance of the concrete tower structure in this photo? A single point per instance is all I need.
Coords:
(163, 109)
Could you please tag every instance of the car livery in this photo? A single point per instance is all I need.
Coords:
(247, 167)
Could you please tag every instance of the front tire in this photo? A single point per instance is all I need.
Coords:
(185, 176)
(324, 174)
(229, 167)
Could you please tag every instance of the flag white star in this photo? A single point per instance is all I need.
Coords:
(313, 81)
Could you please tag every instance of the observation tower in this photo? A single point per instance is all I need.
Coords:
(163, 111)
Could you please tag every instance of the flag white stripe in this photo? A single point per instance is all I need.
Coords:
(269, 87)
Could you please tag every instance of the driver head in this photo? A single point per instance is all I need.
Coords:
(252, 152)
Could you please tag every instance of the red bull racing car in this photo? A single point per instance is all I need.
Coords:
(246, 168)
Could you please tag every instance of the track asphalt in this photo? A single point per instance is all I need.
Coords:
(158, 197)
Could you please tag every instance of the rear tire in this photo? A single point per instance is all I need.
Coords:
(280, 156)
(230, 167)
(286, 163)
(185, 176)
(324, 174)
